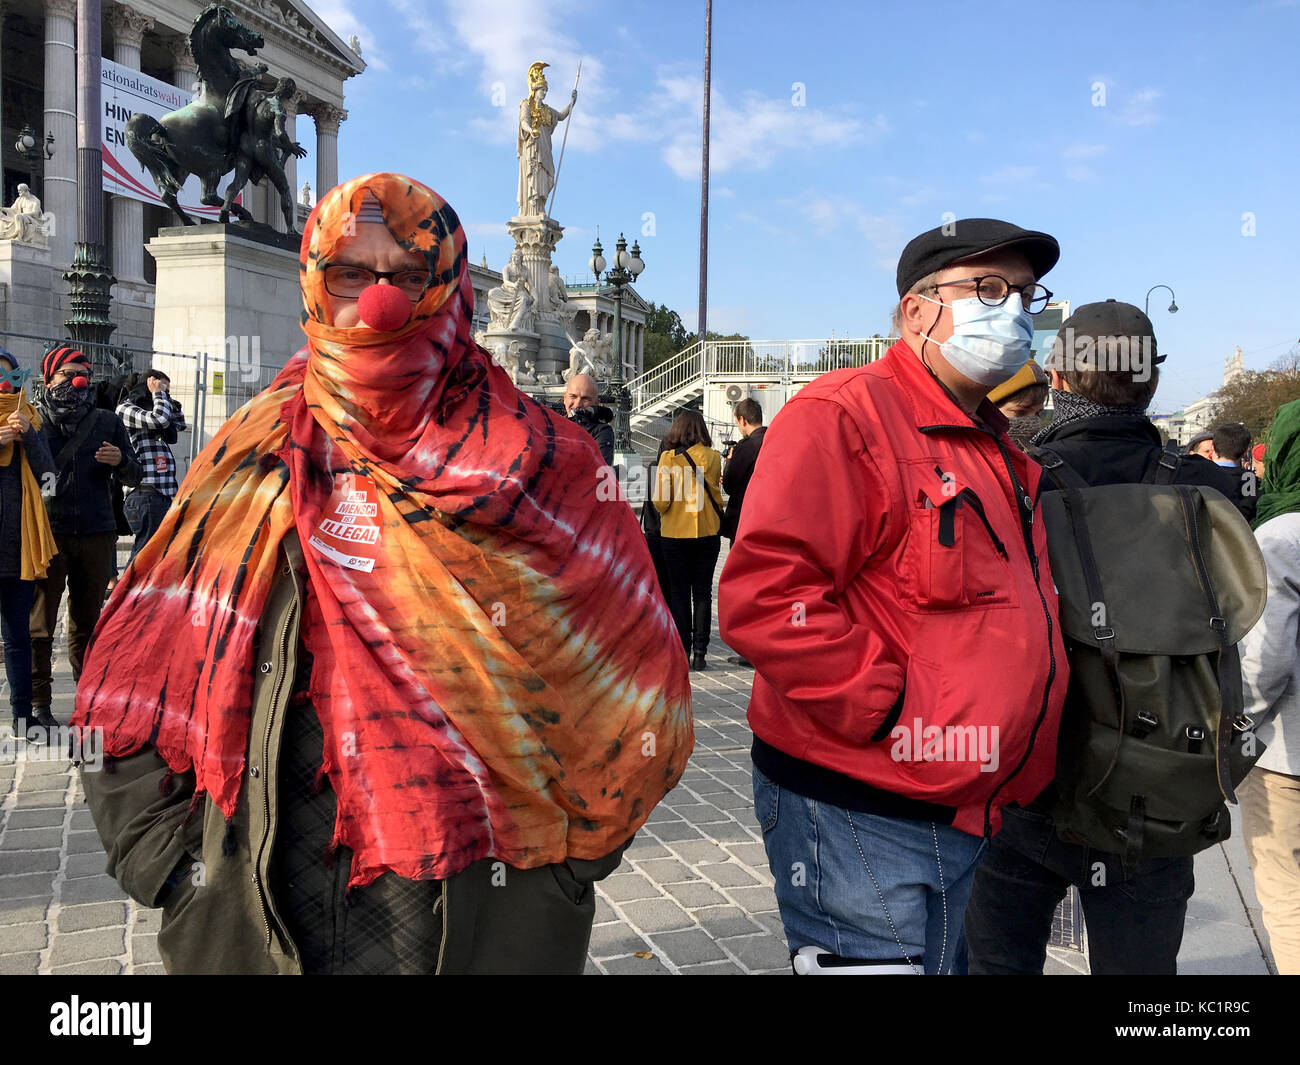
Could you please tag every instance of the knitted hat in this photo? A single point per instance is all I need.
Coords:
(1027, 376)
(58, 358)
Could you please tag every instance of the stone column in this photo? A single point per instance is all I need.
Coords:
(128, 28)
(327, 118)
(185, 72)
(61, 120)
(4, 10)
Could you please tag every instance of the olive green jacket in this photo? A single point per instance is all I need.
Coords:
(219, 915)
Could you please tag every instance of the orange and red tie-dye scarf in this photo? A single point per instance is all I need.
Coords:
(496, 672)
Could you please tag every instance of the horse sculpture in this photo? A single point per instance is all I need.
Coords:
(201, 138)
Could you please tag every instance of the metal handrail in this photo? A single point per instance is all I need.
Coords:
(753, 360)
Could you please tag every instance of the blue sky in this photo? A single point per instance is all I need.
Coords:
(1155, 140)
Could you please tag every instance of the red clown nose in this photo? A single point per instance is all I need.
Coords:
(81, 382)
(384, 308)
(5, 386)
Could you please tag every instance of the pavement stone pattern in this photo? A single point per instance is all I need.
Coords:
(693, 894)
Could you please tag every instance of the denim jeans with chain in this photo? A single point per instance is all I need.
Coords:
(864, 886)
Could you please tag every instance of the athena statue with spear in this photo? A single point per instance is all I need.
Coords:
(537, 122)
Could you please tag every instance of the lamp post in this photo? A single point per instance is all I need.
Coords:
(32, 149)
(1173, 306)
(625, 270)
(90, 277)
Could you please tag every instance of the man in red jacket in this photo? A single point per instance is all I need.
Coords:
(891, 536)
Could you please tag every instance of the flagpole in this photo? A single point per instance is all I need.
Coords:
(702, 320)
(563, 144)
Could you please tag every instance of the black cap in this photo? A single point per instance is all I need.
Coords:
(954, 242)
(1109, 318)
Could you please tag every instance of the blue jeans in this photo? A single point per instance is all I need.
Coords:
(15, 615)
(144, 513)
(864, 886)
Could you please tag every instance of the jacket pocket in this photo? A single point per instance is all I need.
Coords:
(953, 556)
(767, 801)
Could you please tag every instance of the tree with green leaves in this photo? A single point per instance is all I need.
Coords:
(1253, 397)
(665, 336)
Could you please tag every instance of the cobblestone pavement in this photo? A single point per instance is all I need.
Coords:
(693, 894)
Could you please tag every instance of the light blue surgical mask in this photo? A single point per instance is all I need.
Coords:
(988, 344)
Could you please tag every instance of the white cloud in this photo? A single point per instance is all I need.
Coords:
(507, 37)
(748, 134)
(833, 214)
(1084, 151)
(425, 35)
(1140, 109)
(723, 191)
(339, 16)
(485, 229)
(1011, 175)
(1075, 154)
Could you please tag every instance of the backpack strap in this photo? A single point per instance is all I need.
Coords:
(1164, 471)
(1064, 475)
(704, 484)
(82, 433)
(1102, 633)
(1224, 733)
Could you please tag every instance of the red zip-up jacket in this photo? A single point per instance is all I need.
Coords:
(890, 583)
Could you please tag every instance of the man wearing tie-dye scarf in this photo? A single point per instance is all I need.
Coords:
(392, 685)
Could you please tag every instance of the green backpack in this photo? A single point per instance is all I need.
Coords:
(1158, 582)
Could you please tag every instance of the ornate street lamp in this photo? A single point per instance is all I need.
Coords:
(1173, 307)
(30, 148)
(626, 269)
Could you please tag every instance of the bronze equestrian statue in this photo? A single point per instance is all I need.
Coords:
(208, 137)
(257, 123)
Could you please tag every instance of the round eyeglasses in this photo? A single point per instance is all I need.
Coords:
(993, 290)
(348, 282)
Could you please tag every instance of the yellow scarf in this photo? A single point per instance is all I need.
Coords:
(37, 537)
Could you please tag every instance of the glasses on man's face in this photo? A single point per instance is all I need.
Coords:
(993, 290)
(348, 282)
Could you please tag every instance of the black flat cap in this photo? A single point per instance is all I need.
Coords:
(968, 237)
(1109, 318)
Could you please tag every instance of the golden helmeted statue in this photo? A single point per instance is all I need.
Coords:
(537, 122)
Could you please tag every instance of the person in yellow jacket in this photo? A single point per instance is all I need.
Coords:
(26, 542)
(688, 497)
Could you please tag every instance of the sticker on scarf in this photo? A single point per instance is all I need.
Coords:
(348, 532)
(160, 463)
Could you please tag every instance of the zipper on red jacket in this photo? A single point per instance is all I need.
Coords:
(1027, 527)
(1025, 512)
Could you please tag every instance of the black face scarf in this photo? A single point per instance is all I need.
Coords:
(67, 405)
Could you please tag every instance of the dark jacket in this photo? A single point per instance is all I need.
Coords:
(735, 478)
(33, 446)
(596, 420)
(1124, 449)
(238, 920)
(83, 501)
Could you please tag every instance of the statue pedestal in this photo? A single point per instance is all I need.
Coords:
(536, 236)
(225, 295)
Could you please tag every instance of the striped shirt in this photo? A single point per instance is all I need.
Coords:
(146, 428)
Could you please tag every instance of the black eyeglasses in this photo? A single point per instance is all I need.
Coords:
(348, 282)
(993, 290)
